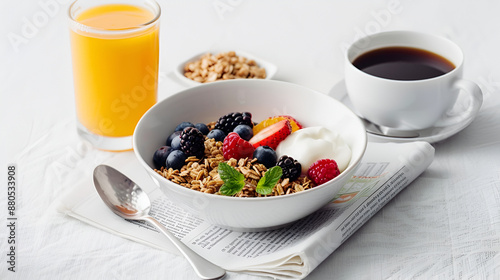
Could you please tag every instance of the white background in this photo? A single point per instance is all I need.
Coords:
(450, 228)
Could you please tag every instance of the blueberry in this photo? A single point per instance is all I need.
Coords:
(160, 156)
(202, 127)
(172, 136)
(244, 131)
(265, 155)
(183, 125)
(217, 134)
(175, 159)
(176, 143)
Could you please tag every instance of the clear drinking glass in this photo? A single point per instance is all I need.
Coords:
(115, 52)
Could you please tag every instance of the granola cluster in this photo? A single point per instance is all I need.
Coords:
(223, 66)
(202, 174)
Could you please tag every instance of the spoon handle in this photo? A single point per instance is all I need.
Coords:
(202, 267)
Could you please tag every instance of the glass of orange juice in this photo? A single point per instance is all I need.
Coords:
(115, 52)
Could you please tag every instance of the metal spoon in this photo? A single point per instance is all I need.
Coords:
(387, 131)
(127, 200)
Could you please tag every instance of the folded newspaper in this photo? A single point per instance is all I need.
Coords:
(291, 252)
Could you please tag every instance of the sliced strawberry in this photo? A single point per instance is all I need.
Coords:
(236, 147)
(272, 135)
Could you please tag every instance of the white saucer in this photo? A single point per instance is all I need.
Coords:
(430, 135)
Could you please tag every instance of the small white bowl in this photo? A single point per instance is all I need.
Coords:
(271, 69)
(262, 98)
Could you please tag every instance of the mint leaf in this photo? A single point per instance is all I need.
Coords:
(268, 181)
(234, 181)
(229, 173)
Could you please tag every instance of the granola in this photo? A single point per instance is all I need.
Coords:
(202, 174)
(223, 66)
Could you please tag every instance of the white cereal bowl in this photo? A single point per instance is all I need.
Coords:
(271, 69)
(263, 98)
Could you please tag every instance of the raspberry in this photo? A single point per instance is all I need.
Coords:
(323, 170)
(235, 147)
(192, 142)
(291, 167)
(229, 121)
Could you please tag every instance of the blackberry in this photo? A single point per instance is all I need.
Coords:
(291, 167)
(229, 121)
(192, 142)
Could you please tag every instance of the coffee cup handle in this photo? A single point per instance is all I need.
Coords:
(476, 100)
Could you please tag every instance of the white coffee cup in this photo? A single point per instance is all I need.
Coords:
(410, 104)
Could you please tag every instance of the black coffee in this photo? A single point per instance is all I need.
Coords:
(403, 63)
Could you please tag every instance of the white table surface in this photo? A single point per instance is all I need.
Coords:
(451, 210)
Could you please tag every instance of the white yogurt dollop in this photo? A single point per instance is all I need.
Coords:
(310, 144)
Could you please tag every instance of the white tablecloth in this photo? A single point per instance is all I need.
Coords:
(450, 228)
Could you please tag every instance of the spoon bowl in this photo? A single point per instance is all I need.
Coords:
(127, 200)
(387, 131)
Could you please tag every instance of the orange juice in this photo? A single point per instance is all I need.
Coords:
(115, 67)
